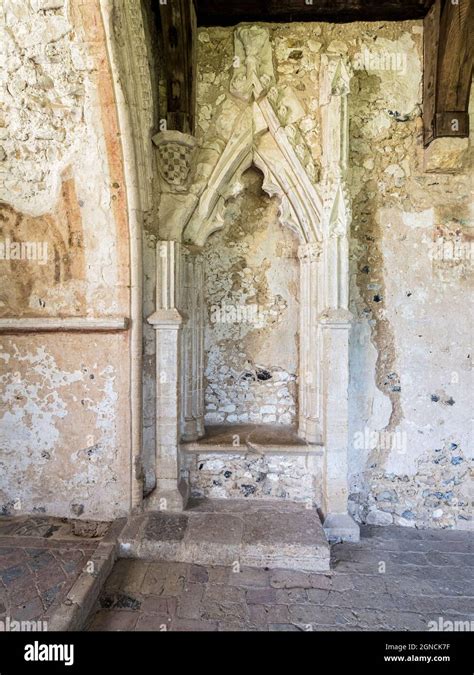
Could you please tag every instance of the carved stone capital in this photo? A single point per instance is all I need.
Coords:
(176, 155)
(166, 319)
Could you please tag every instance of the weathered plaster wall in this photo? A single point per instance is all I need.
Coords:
(410, 345)
(64, 415)
(64, 426)
(251, 291)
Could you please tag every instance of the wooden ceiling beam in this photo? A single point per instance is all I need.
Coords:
(231, 12)
(448, 66)
(178, 28)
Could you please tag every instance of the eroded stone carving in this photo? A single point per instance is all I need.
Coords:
(253, 63)
(176, 154)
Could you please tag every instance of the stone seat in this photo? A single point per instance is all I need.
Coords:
(264, 438)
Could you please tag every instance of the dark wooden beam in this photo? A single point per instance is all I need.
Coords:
(448, 64)
(178, 28)
(231, 12)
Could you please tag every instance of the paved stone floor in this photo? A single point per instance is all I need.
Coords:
(395, 579)
(40, 558)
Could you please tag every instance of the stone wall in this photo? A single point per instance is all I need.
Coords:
(65, 417)
(64, 397)
(251, 290)
(255, 475)
(410, 356)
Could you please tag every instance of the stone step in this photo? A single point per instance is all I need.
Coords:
(252, 533)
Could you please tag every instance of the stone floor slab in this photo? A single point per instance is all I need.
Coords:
(226, 532)
(41, 558)
(188, 597)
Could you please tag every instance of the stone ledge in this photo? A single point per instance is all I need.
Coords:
(196, 448)
(261, 535)
(263, 439)
(72, 614)
(68, 324)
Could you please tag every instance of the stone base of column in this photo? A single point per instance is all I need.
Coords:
(313, 431)
(341, 527)
(189, 431)
(168, 497)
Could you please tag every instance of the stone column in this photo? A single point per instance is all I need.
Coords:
(334, 323)
(171, 492)
(192, 423)
(334, 317)
(334, 326)
(309, 427)
(198, 346)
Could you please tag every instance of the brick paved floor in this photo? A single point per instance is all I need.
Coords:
(40, 558)
(395, 579)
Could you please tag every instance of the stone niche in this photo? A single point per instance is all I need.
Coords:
(251, 294)
(252, 299)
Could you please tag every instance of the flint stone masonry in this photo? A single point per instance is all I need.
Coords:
(266, 476)
(256, 462)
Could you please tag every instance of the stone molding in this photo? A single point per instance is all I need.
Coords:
(63, 325)
(132, 56)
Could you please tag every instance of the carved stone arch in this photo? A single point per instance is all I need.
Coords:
(286, 214)
(128, 58)
(255, 144)
(292, 210)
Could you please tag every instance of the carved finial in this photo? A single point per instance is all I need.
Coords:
(337, 209)
(253, 63)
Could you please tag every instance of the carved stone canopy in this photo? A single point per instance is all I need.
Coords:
(262, 133)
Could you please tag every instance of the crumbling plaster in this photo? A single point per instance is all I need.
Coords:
(65, 397)
(63, 445)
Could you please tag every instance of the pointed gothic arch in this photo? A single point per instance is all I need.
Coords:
(192, 209)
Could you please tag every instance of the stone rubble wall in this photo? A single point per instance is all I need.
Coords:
(254, 475)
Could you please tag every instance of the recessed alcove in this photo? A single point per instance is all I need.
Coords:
(252, 299)
(251, 325)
